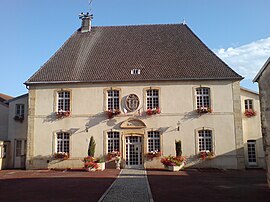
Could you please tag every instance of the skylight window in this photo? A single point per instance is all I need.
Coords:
(135, 71)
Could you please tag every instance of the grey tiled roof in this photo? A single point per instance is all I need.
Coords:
(161, 52)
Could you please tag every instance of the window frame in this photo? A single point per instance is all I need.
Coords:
(114, 140)
(115, 100)
(249, 104)
(154, 140)
(205, 98)
(66, 101)
(152, 104)
(19, 110)
(63, 141)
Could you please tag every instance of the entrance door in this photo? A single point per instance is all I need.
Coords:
(133, 152)
(19, 153)
(251, 147)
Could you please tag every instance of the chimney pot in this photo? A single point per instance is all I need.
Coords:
(86, 22)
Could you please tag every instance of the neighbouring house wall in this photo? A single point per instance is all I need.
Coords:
(17, 130)
(3, 121)
(264, 85)
(177, 103)
(252, 127)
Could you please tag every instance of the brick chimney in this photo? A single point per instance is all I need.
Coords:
(86, 22)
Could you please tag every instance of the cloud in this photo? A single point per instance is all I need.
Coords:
(247, 59)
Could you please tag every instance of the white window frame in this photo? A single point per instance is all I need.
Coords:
(153, 141)
(113, 100)
(203, 139)
(62, 143)
(248, 104)
(203, 97)
(19, 110)
(152, 98)
(251, 153)
(63, 101)
(113, 142)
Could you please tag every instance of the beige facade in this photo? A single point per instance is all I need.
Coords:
(252, 135)
(177, 102)
(17, 131)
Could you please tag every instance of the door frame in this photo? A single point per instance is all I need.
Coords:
(124, 149)
(19, 161)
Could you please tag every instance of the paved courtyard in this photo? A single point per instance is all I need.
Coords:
(132, 185)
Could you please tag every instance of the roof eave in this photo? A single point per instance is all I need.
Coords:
(140, 80)
(256, 78)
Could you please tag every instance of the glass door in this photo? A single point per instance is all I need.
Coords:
(133, 152)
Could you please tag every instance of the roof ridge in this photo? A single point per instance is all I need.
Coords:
(136, 25)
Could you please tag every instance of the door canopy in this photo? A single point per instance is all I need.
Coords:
(132, 124)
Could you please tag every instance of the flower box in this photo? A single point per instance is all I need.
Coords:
(62, 114)
(151, 155)
(153, 111)
(19, 118)
(175, 168)
(206, 155)
(61, 155)
(249, 113)
(204, 110)
(113, 113)
(101, 166)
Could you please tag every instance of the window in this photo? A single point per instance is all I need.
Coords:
(113, 141)
(248, 104)
(152, 98)
(135, 71)
(113, 99)
(64, 101)
(202, 97)
(19, 110)
(62, 142)
(18, 148)
(251, 147)
(205, 140)
(153, 141)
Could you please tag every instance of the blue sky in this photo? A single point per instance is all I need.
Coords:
(238, 31)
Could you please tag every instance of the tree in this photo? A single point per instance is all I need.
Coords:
(91, 147)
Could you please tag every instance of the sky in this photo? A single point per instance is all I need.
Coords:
(32, 31)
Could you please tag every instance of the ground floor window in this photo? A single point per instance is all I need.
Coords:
(113, 141)
(205, 140)
(153, 141)
(62, 142)
(251, 147)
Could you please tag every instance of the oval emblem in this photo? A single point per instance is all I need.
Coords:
(132, 102)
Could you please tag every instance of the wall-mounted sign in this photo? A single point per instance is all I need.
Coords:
(132, 102)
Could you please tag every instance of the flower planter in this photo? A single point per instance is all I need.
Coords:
(175, 168)
(101, 166)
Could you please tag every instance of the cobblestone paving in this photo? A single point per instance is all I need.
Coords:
(131, 185)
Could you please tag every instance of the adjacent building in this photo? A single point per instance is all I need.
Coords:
(263, 80)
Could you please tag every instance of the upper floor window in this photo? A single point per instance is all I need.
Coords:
(248, 104)
(63, 101)
(153, 141)
(19, 111)
(113, 99)
(205, 140)
(202, 98)
(152, 98)
(135, 71)
(113, 141)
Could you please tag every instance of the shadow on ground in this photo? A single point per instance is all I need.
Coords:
(209, 185)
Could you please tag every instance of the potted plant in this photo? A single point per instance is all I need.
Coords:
(61, 155)
(206, 154)
(153, 154)
(112, 113)
(100, 163)
(19, 118)
(173, 163)
(204, 110)
(61, 114)
(153, 111)
(249, 113)
(90, 163)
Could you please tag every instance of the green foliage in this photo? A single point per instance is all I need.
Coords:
(91, 147)
(178, 148)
